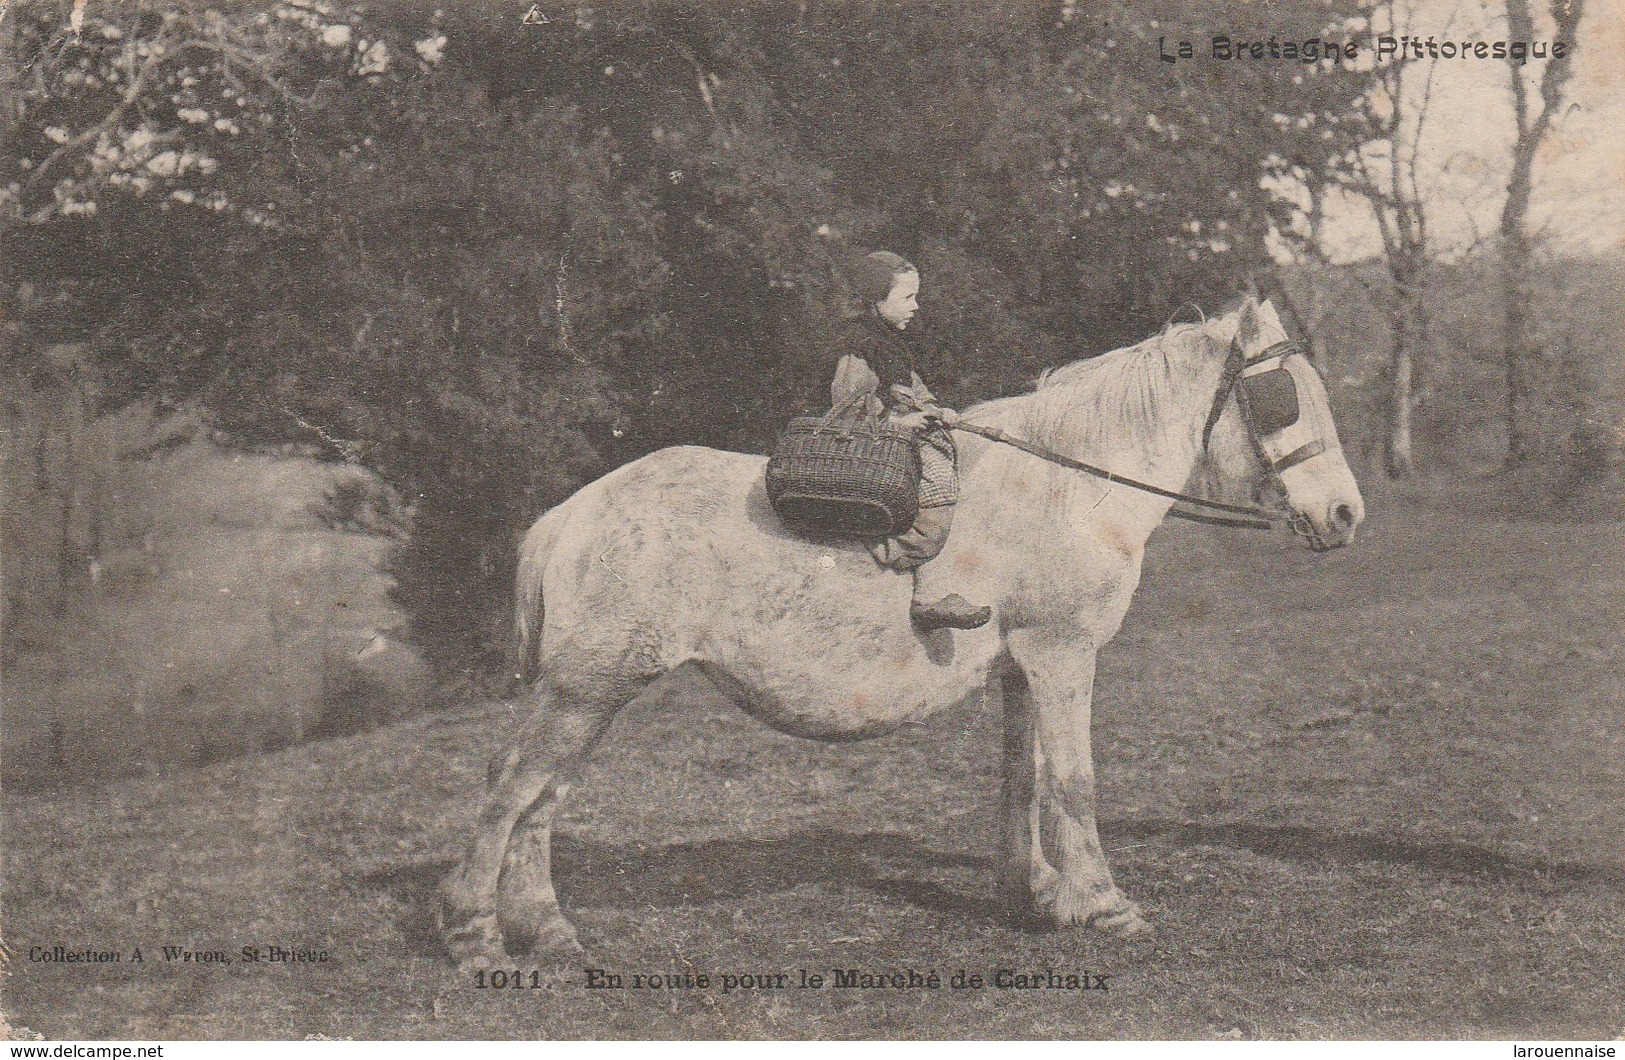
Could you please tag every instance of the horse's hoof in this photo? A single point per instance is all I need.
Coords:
(556, 940)
(1044, 903)
(474, 942)
(1104, 909)
(1043, 883)
(1125, 923)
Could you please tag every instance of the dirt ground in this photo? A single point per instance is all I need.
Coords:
(1371, 794)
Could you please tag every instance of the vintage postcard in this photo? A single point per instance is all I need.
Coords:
(824, 520)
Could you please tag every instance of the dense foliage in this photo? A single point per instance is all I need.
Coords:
(490, 258)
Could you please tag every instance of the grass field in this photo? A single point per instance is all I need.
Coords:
(1370, 794)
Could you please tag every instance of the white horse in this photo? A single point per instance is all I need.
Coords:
(676, 561)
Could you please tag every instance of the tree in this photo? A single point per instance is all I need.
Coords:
(1533, 123)
(159, 101)
(1393, 114)
(508, 255)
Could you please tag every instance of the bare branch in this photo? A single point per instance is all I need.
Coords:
(1558, 71)
(260, 65)
(131, 95)
(702, 79)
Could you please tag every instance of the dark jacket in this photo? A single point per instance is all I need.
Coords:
(887, 362)
(882, 347)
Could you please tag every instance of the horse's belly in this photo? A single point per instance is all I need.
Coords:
(859, 682)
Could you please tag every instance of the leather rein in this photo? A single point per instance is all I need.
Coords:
(1218, 513)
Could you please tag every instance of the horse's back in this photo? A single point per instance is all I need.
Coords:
(683, 500)
(678, 558)
(677, 538)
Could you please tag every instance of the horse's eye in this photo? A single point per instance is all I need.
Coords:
(1272, 397)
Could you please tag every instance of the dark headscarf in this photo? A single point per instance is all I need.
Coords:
(875, 272)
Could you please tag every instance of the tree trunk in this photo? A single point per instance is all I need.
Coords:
(1515, 281)
(1532, 124)
(1319, 352)
(1401, 217)
(1397, 459)
(1514, 298)
(1408, 322)
(73, 422)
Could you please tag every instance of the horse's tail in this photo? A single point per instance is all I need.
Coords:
(534, 553)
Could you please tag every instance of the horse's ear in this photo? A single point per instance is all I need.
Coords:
(1268, 317)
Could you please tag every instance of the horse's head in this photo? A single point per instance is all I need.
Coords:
(1271, 431)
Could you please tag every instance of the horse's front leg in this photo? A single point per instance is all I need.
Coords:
(1024, 874)
(1060, 684)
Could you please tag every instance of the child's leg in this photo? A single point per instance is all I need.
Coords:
(919, 542)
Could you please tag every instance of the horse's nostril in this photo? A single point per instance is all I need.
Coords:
(1342, 517)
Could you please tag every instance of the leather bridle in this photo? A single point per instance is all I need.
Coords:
(1231, 384)
(1237, 368)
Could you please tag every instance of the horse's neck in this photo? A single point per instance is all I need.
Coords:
(1160, 449)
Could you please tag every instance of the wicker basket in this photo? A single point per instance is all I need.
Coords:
(853, 478)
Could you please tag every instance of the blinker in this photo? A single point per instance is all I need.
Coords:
(1272, 398)
(1270, 389)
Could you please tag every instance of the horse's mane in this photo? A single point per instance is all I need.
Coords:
(1116, 400)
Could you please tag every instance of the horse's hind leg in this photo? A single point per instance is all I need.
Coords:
(524, 786)
(527, 906)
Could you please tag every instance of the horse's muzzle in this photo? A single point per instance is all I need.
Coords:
(1334, 530)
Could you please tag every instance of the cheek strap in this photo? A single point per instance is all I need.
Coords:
(1234, 362)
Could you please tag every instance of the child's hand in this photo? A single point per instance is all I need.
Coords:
(914, 421)
(946, 417)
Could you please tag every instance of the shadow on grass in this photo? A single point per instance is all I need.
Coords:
(594, 875)
(884, 863)
(1302, 843)
(597, 875)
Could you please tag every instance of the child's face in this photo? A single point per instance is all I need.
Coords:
(901, 301)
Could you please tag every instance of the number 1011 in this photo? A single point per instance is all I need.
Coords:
(514, 980)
